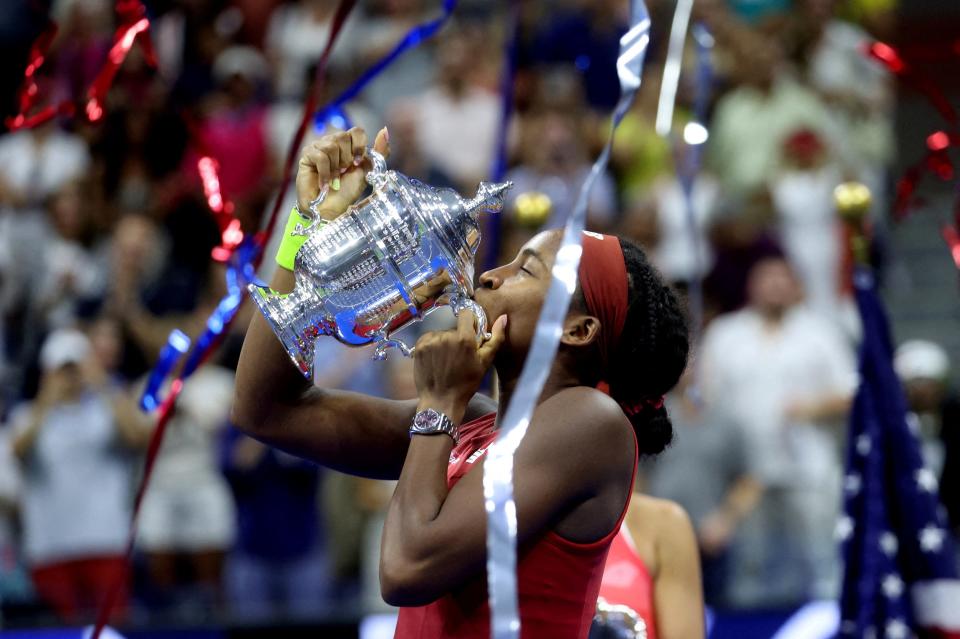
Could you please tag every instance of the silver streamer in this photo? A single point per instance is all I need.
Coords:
(671, 68)
(498, 467)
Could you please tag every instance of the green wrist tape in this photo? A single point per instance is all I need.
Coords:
(291, 243)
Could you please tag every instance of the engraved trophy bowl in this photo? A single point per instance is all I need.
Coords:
(390, 259)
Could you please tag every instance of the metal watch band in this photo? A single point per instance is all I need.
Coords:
(433, 422)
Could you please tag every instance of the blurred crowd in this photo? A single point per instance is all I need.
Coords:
(105, 244)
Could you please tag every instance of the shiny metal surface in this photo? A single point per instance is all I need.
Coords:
(619, 621)
(388, 260)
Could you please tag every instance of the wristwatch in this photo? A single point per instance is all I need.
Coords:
(432, 422)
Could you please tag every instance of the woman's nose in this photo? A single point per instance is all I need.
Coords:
(489, 279)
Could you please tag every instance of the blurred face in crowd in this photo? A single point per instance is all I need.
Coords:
(66, 209)
(133, 243)
(107, 343)
(454, 61)
(772, 287)
(68, 380)
(554, 145)
(925, 395)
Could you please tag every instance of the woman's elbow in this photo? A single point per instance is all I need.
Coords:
(246, 415)
(402, 583)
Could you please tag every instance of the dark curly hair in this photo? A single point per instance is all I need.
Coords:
(652, 351)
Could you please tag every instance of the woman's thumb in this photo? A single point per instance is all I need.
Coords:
(382, 142)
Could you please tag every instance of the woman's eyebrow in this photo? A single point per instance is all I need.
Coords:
(529, 252)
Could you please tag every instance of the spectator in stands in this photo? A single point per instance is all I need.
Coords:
(14, 584)
(554, 162)
(74, 443)
(707, 471)
(457, 118)
(786, 378)
(809, 229)
(187, 520)
(924, 368)
(586, 35)
(275, 570)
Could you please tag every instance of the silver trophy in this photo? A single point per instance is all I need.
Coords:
(390, 259)
(615, 621)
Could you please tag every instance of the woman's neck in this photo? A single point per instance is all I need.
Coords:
(557, 380)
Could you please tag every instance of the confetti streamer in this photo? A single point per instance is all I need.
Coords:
(672, 66)
(494, 223)
(339, 18)
(131, 15)
(334, 114)
(498, 468)
(937, 159)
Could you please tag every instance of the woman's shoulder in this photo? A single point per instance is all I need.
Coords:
(663, 521)
(583, 401)
(664, 524)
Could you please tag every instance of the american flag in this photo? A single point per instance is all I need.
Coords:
(900, 576)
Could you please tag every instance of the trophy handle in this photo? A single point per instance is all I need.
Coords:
(377, 176)
(384, 343)
(460, 302)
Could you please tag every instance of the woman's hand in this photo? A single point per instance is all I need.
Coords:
(339, 161)
(448, 365)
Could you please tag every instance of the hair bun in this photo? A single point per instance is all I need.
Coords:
(654, 430)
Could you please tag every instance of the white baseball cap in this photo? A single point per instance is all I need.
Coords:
(64, 346)
(921, 359)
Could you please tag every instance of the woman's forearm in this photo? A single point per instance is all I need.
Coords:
(416, 503)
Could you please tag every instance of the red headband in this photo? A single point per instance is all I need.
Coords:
(603, 279)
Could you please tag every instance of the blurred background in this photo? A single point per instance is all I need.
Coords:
(105, 242)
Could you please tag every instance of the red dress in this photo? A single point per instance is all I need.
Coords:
(627, 582)
(558, 580)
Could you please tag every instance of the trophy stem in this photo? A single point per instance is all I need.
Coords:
(296, 318)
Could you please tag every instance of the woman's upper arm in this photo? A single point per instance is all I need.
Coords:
(678, 591)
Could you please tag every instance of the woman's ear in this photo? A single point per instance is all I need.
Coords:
(580, 330)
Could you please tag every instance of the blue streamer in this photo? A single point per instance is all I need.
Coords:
(241, 271)
(333, 113)
(177, 344)
(498, 170)
(498, 468)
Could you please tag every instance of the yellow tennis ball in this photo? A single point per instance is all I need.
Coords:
(531, 209)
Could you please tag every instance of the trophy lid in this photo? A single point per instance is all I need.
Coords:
(489, 199)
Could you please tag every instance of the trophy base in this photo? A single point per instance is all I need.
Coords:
(295, 323)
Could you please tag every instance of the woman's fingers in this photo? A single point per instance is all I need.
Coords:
(358, 143)
(498, 334)
(465, 325)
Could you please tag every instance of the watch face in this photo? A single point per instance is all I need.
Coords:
(427, 419)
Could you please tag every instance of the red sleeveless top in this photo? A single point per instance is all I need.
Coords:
(557, 580)
(627, 582)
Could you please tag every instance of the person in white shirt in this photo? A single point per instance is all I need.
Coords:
(188, 515)
(74, 443)
(458, 119)
(787, 378)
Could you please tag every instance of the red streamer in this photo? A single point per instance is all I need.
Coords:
(131, 15)
(231, 234)
(937, 159)
(343, 10)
